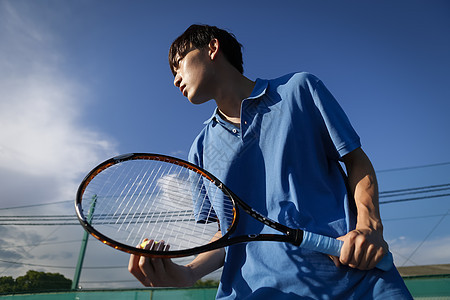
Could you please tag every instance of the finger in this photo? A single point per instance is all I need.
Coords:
(144, 243)
(367, 259)
(157, 262)
(376, 258)
(359, 250)
(135, 270)
(167, 261)
(144, 262)
(335, 260)
(347, 251)
(156, 267)
(353, 250)
(367, 255)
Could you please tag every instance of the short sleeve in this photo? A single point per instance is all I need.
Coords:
(341, 132)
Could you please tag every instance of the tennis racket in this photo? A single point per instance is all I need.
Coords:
(138, 196)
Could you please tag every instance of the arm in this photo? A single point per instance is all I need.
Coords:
(159, 272)
(365, 246)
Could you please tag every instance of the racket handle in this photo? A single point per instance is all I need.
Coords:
(331, 246)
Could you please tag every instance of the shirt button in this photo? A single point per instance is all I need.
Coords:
(245, 122)
(234, 130)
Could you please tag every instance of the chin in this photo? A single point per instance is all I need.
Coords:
(197, 101)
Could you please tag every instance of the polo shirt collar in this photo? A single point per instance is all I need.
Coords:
(259, 90)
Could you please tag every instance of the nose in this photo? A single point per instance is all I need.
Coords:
(177, 80)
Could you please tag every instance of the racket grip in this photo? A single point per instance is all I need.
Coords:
(331, 246)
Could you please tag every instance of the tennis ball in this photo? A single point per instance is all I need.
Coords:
(145, 243)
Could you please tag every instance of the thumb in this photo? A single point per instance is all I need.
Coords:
(336, 261)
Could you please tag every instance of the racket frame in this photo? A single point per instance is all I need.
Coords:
(293, 236)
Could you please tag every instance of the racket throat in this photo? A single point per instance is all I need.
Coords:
(291, 235)
(295, 236)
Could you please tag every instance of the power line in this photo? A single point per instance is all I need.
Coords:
(71, 220)
(427, 236)
(413, 199)
(40, 216)
(414, 217)
(414, 167)
(39, 244)
(147, 218)
(27, 251)
(35, 205)
(58, 267)
(35, 265)
(431, 190)
(40, 224)
(39, 220)
(50, 221)
(416, 190)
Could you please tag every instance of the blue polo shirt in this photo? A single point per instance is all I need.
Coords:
(283, 161)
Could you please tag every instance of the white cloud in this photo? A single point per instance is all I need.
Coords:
(44, 148)
(174, 187)
(432, 251)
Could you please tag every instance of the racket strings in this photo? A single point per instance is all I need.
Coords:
(133, 196)
(157, 200)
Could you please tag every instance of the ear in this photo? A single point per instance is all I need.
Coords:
(213, 48)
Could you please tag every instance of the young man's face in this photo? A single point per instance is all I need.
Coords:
(193, 75)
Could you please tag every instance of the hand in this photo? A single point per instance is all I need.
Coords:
(159, 272)
(362, 249)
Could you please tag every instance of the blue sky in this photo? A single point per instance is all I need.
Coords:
(81, 81)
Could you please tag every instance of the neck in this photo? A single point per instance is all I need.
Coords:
(233, 90)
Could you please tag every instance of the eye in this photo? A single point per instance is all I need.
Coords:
(179, 60)
(176, 65)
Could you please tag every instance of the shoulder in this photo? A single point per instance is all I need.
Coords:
(292, 80)
(297, 85)
(293, 88)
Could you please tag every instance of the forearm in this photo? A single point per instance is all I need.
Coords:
(365, 246)
(163, 272)
(207, 262)
(364, 186)
(367, 204)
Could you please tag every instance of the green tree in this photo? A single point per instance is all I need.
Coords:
(206, 283)
(7, 284)
(34, 281)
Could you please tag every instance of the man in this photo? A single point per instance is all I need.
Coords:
(277, 144)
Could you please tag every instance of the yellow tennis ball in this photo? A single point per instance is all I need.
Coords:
(144, 243)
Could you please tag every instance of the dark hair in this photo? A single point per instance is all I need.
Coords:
(199, 36)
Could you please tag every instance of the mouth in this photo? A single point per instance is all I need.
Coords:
(183, 90)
